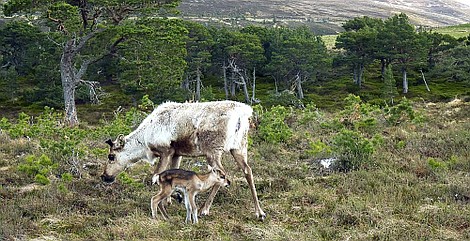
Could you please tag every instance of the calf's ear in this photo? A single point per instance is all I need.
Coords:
(110, 142)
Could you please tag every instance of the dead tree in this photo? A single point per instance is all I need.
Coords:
(239, 79)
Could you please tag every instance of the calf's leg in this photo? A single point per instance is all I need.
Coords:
(192, 198)
(156, 202)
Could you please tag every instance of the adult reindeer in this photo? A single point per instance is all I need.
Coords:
(174, 130)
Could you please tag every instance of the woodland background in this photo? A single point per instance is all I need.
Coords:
(387, 100)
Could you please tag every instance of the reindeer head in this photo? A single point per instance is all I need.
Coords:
(218, 176)
(113, 166)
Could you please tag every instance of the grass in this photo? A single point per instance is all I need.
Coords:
(457, 31)
(329, 40)
(414, 187)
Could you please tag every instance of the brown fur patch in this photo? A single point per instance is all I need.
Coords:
(168, 175)
(211, 140)
(184, 146)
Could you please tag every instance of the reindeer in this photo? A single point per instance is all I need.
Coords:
(174, 130)
(188, 182)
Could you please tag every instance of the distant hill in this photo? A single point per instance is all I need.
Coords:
(326, 16)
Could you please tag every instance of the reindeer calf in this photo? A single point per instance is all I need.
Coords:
(190, 183)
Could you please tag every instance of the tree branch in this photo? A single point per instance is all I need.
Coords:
(85, 39)
(118, 14)
(95, 91)
(83, 69)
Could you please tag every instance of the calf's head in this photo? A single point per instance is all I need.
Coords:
(219, 177)
(114, 166)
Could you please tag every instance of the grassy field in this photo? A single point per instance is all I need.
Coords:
(457, 31)
(411, 185)
(329, 40)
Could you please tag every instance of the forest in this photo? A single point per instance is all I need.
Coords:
(61, 54)
(360, 138)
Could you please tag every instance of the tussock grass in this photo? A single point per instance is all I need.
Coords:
(415, 187)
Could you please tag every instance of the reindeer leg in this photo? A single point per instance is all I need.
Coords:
(157, 205)
(241, 159)
(192, 203)
(154, 205)
(156, 202)
(162, 209)
(165, 156)
(187, 204)
(210, 199)
(175, 164)
(214, 161)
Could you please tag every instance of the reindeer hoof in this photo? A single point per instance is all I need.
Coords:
(261, 216)
(204, 213)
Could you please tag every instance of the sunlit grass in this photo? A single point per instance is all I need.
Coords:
(329, 40)
(458, 31)
(414, 188)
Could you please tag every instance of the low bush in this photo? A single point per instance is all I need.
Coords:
(38, 167)
(272, 124)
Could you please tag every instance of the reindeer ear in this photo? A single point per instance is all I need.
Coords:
(120, 139)
(110, 142)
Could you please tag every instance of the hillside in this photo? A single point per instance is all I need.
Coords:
(325, 15)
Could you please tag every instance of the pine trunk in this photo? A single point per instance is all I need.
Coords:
(300, 92)
(224, 69)
(233, 85)
(382, 68)
(360, 73)
(198, 84)
(405, 81)
(69, 84)
(254, 85)
(355, 81)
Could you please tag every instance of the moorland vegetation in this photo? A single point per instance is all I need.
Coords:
(400, 145)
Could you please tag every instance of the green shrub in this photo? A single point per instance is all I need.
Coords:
(207, 94)
(41, 179)
(66, 177)
(127, 180)
(123, 122)
(359, 116)
(310, 114)
(402, 112)
(401, 144)
(319, 148)
(284, 98)
(146, 104)
(38, 167)
(352, 149)
(20, 128)
(273, 127)
(436, 164)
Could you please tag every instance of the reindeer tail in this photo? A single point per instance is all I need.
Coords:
(156, 179)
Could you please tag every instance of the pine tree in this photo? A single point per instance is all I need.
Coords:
(390, 89)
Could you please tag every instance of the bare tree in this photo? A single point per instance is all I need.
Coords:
(71, 77)
(239, 78)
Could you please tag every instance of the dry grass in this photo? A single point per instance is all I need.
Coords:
(401, 195)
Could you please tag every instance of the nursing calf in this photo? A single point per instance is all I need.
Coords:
(174, 130)
(190, 183)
